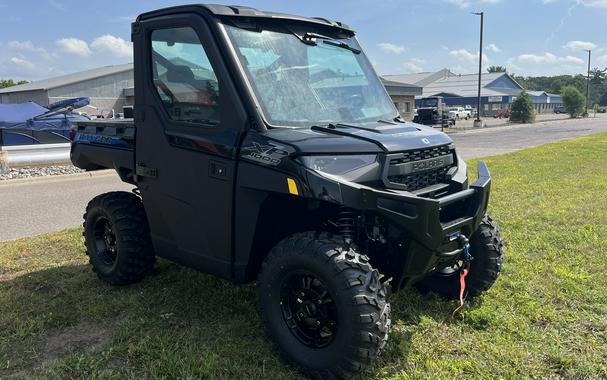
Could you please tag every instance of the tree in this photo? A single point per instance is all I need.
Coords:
(522, 110)
(574, 100)
(603, 99)
(598, 83)
(9, 82)
(496, 69)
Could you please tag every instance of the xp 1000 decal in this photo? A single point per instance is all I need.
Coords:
(266, 153)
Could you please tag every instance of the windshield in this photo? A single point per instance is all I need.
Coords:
(310, 82)
(429, 102)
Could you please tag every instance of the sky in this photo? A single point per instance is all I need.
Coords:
(45, 38)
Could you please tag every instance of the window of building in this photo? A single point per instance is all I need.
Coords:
(407, 107)
(396, 105)
(183, 76)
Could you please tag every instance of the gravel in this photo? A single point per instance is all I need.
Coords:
(19, 173)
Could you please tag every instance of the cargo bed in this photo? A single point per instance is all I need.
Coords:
(101, 144)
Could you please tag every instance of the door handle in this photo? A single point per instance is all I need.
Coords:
(217, 170)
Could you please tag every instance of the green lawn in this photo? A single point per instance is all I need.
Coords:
(546, 317)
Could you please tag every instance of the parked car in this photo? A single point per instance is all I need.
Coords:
(601, 110)
(502, 113)
(560, 109)
(459, 113)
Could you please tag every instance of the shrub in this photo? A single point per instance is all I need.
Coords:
(574, 100)
(522, 110)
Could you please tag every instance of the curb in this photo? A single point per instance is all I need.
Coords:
(56, 178)
(515, 125)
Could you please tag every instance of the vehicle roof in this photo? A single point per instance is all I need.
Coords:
(237, 11)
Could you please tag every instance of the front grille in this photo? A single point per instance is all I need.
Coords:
(420, 179)
(422, 154)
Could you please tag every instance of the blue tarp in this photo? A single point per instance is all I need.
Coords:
(31, 123)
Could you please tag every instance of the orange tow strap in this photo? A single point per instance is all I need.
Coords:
(462, 289)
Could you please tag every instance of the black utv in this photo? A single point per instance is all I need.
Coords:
(264, 148)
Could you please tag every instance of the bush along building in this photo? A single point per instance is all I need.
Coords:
(498, 90)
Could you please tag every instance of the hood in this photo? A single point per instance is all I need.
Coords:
(388, 138)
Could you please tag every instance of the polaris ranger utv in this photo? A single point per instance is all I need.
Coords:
(264, 148)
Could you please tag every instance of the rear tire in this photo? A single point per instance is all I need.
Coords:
(487, 249)
(117, 238)
(336, 323)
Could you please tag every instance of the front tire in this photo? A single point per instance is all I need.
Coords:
(323, 305)
(487, 250)
(117, 238)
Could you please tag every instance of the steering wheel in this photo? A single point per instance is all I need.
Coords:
(165, 90)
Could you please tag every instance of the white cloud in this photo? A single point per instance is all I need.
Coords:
(466, 56)
(459, 3)
(545, 64)
(414, 65)
(593, 3)
(21, 45)
(579, 45)
(602, 59)
(549, 58)
(57, 5)
(22, 63)
(467, 3)
(27, 46)
(113, 45)
(391, 48)
(493, 48)
(74, 46)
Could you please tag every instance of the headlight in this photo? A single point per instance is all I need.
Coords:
(338, 165)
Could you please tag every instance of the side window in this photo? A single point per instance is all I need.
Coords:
(183, 76)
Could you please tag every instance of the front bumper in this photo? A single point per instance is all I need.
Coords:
(429, 225)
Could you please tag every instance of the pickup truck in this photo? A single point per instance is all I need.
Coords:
(264, 148)
(459, 113)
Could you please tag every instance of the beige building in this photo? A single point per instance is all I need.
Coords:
(105, 86)
(403, 95)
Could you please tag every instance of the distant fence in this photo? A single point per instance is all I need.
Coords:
(34, 155)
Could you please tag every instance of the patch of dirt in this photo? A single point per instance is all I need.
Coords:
(85, 336)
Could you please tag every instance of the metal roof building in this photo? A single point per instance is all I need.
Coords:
(104, 85)
(498, 90)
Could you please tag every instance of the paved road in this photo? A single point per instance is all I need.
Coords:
(500, 140)
(32, 208)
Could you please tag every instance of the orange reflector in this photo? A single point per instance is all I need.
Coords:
(292, 186)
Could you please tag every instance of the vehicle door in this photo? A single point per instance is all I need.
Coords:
(189, 120)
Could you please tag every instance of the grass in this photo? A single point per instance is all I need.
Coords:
(546, 317)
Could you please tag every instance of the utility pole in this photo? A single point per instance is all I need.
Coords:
(477, 122)
(588, 85)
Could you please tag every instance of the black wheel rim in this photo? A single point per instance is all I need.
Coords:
(105, 241)
(308, 310)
